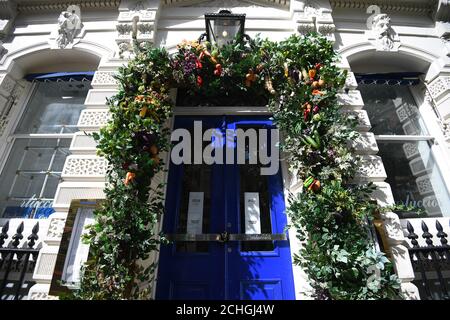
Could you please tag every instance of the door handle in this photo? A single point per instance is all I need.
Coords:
(226, 237)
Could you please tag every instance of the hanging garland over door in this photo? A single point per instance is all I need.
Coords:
(299, 80)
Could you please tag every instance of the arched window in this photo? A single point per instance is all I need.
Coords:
(40, 144)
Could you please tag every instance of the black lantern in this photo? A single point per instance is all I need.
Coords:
(223, 27)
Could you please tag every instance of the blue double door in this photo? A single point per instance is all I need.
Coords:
(226, 223)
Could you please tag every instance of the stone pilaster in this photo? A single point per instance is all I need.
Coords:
(313, 16)
(10, 93)
(136, 25)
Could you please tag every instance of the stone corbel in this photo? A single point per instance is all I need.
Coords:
(381, 34)
(8, 13)
(3, 50)
(393, 228)
(442, 12)
(308, 18)
(136, 23)
(69, 30)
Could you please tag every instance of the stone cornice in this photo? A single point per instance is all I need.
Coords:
(43, 5)
(275, 3)
(406, 6)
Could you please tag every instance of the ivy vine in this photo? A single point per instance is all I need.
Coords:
(299, 80)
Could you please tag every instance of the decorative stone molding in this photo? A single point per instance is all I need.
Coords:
(383, 194)
(393, 228)
(56, 228)
(409, 291)
(439, 87)
(41, 296)
(371, 169)
(405, 112)
(35, 6)
(104, 79)
(3, 51)
(85, 166)
(92, 119)
(69, 27)
(362, 118)
(382, 35)
(45, 264)
(350, 81)
(351, 100)
(5, 111)
(442, 12)
(412, 7)
(10, 91)
(410, 149)
(135, 26)
(365, 144)
(227, 3)
(402, 263)
(97, 98)
(8, 14)
(424, 185)
(7, 85)
(83, 144)
(418, 167)
(441, 91)
(84, 188)
(312, 17)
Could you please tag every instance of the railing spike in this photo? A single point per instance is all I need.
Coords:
(441, 234)
(20, 228)
(409, 227)
(33, 236)
(412, 236)
(4, 233)
(18, 236)
(426, 235)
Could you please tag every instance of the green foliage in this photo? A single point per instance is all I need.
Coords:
(332, 218)
(124, 232)
(301, 81)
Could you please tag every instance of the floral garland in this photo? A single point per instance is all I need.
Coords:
(299, 80)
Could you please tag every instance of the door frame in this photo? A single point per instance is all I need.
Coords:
(300, 279)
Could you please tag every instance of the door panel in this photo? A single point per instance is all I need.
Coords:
(192, 270)
(238, 200)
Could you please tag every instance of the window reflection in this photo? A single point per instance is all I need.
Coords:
(411, 169)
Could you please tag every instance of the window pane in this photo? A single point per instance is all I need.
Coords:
(414, 177)
(30, 177)
(392, 110)
(256, 187)
(54, 107)
(196, 198)
(78, 251)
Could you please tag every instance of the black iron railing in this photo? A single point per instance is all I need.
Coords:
(431, 263)
(16, 262)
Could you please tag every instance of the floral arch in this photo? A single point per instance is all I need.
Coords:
(298, 79)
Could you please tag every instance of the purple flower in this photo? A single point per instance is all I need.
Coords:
(331, 154)
(307, 131)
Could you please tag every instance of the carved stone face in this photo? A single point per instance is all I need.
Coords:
(381, 23)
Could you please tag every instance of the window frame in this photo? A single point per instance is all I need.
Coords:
(10, 137)
(435, 138)
(57, 287)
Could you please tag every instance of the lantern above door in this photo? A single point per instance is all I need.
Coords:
(224, 27)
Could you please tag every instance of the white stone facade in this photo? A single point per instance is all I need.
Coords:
(410, 35)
